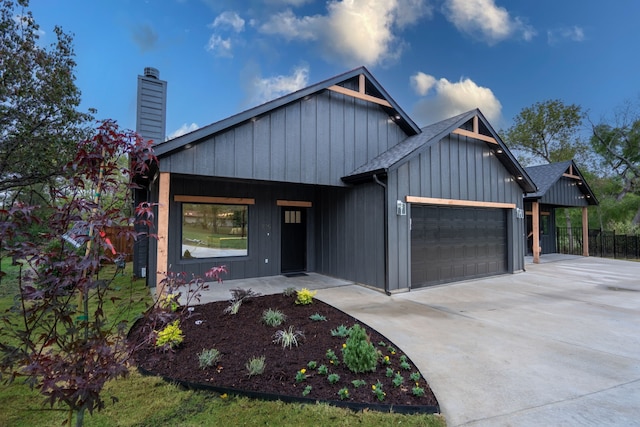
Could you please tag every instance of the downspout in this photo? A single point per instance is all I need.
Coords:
(386, 234)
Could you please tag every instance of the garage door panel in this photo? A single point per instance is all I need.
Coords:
(449, 244)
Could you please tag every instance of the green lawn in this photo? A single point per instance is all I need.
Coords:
(149, 401)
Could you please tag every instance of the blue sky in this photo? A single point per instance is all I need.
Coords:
(436, 58)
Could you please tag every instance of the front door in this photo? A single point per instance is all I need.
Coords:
(293, 240)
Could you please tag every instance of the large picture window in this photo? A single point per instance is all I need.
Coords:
(214, 230)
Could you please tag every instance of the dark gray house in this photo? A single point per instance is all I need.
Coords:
(337, 179)
(560, 185)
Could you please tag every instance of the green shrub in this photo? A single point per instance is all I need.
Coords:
(169, 302)
(208, 358)
(341, 331)
(273, 317)
(417, 391)
(343, 393)
(255, 366)
(359, 354)
(398, 380)
(317, 317)
(305, 296)
(358, 383)
(333, 378)
(289, 292)
(171, 336)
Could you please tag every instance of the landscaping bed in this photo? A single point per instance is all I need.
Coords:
(290, 373)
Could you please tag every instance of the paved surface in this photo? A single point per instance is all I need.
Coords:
(557, 345)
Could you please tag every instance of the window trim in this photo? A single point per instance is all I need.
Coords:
(212, 201)
(215, 200)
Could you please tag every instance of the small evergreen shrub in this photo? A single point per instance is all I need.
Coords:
(208, 358)
(317, 317)
(341, 331)
(305, 296)
(255, 366)
(171, 336)
(359, 354)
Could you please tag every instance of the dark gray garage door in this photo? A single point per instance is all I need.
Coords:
(451, 243)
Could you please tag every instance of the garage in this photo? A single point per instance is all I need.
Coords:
(456, 243)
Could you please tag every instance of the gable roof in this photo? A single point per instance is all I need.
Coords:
(546, 176)
(430, 135)
(369, 89)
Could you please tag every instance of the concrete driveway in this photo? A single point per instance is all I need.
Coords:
(557, 345)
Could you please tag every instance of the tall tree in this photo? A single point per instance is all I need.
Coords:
(40, 123)
(548, 131)
(618, 144)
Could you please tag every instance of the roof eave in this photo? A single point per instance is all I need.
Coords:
(395, 112)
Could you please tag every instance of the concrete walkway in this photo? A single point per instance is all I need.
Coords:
(557, 345)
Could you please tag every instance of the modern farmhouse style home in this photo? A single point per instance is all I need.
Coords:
(335, 179)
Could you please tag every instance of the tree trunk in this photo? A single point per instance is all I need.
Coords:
(636, 218)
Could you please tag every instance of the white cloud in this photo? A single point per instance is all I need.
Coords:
(289, 26)
(452, 98)
(231, 24)
(486, 20)
(357, 32)
(422, 83)
(219, 46)
(228, 20)
(574, 34)
(182, 130)
(269, 88)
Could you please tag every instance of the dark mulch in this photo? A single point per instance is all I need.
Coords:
(242, 336)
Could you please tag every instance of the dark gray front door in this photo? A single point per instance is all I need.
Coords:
(293, 240)
(451, 243)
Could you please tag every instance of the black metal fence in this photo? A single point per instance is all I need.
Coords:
(602, 243)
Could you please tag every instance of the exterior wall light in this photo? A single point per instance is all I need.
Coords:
(401, 208)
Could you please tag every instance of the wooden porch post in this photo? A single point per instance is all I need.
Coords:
(535, 217)
(585, 231)
(163, 231)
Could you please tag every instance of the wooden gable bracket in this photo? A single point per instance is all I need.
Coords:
(475, 133)
(360, 93)
(571, 174)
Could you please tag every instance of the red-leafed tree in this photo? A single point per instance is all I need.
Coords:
(57, 336)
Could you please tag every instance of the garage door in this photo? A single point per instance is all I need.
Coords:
(456, 243)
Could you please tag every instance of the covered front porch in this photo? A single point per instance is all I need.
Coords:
(560, 185)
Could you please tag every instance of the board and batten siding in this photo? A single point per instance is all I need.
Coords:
(457, 167)
(263, 225)
(564, 192)
(316, 140)
(349, 234)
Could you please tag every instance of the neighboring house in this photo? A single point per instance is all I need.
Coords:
(560, 185)
(337, 179)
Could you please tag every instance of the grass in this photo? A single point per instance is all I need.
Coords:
(150, 401)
